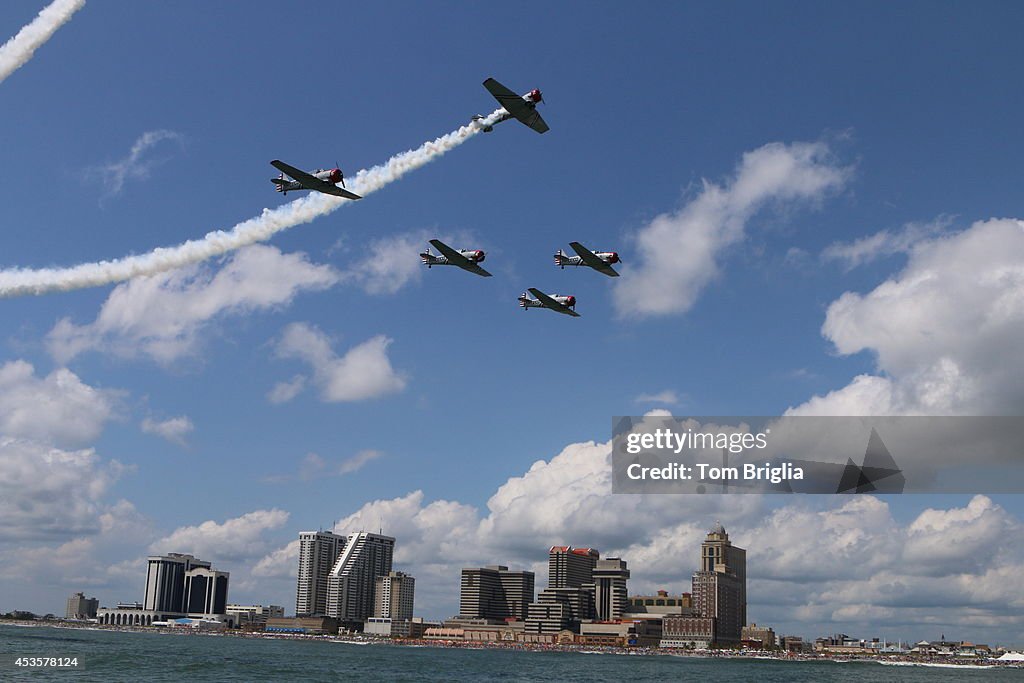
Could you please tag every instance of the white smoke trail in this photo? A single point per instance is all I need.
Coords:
(19, 49)
(21, 281)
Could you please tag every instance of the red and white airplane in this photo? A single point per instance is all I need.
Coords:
(467, 259)
(598, 260)
(520, 107)
(321, 180)
(559, 303)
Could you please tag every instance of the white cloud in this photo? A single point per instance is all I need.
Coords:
(286, 391)
(678, 253)
(364, 372)
(884, 243)
(175, 429)
(668, 397)
(945, 330)
(237, 539)
(390, 263)
(282, 563)
(47, 492)
(58, 408)
(314, 466)
(358, 461)
(137, 164)
(161, 315)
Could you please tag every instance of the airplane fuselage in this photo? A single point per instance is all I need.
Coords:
(566, 300)
(473, 255)
(328, 175)
(562, 260)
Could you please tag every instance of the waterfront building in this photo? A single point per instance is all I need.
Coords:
(495, 593)
(81, 607)
(352, 581)
(660, 604)
(720, 586)
(610, 594)
(393, 596)
(253, 616)
(318, 551)
(570, 567)
(762, 634)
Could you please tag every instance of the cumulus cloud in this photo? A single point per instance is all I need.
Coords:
(58, 408)
(364, 372)
(883, 243)
(174, 429)
(161, 316)
(89, 561)
(678, 253)
(945, 331)
(236, 539)
(47, 492)
(137, 164)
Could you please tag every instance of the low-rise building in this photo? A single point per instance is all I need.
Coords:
(693, 633)
(763, 635)
(253, 617)
(305, 625)
(81, 607)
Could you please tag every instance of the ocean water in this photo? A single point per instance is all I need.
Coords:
(123, 656)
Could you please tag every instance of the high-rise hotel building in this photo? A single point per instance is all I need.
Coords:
(494, 593)
(352, 582)
(318, 551)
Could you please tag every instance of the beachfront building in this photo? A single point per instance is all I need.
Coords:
(661, 603)
(253, 617)
(353, 579)
(393, 596)
(759, 634)
(81, 607)
(178, 585)
(494, 593)
(318, 551)
(610, 594)
(570, 567)
(720, 586)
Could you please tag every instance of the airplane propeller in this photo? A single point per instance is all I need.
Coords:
(338, 166)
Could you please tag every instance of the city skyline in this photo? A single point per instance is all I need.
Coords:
(809, 222)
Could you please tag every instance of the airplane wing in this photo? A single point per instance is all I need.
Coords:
(590, 258)
(457, 259)
(514, 104)
(311, 182)
(551, 303)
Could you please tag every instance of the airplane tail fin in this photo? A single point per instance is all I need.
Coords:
(561, 259)
(481, 117)
(279, 182)
(523, 298)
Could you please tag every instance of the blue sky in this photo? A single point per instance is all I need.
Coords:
(907, 112)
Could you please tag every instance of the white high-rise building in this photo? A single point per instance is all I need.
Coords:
(610, 593)
(393, 597)
(318, 551)
(353, 580)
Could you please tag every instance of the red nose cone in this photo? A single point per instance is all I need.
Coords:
(614, 258)
(535, 95)
(336, 175)
(480, 256)
(571, 301)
